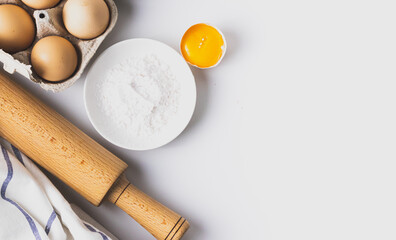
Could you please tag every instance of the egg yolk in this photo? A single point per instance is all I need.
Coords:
(202, 45)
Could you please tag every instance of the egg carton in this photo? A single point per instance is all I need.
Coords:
(49, 22)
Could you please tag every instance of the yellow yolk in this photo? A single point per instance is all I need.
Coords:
(202, 45)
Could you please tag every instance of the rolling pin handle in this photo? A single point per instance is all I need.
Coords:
(161, 222)
(72, 156)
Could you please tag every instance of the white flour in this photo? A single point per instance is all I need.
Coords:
(140, 95)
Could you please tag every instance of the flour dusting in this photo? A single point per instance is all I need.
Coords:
(140, 95)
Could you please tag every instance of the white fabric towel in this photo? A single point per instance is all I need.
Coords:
(32, 208)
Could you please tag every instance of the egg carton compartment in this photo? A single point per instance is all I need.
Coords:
(49, 22)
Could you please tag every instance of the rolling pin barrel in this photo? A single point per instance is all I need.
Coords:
(72, 156)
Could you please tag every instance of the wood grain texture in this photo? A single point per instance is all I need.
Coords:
(160, 221)
(56, 144)
(68, 153)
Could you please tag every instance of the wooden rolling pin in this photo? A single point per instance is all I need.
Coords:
(69, 154)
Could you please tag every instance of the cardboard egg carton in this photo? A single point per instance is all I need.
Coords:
(49, 22)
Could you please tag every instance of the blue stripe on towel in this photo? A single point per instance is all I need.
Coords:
(49, 222)
(17, 154)
(90, 228)
(3, 195)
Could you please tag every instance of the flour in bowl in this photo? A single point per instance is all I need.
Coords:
(140, 95)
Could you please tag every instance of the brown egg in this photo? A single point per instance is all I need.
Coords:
(86, 19)
(54, 58)
(41, 4)
(17, 30)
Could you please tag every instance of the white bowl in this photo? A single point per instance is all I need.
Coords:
(119, 53)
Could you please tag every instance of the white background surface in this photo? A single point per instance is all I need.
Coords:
(294, 133)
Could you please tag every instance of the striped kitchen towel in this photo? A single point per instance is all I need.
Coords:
(32, 208)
